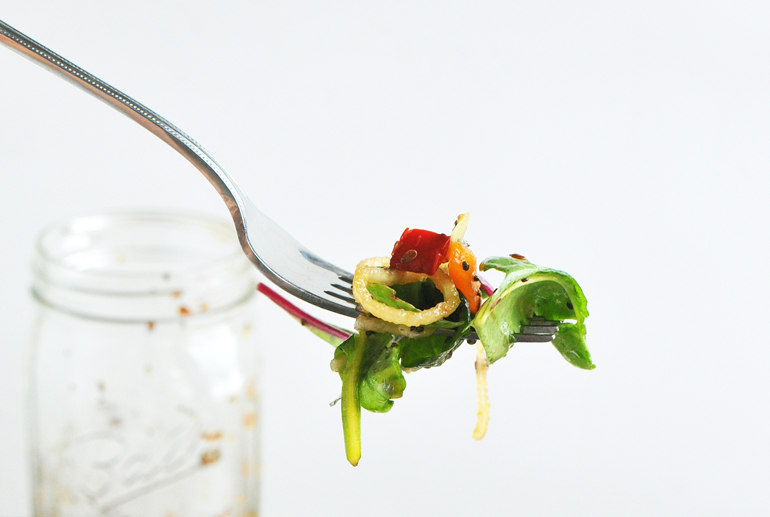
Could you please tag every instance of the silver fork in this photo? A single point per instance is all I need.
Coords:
(280, 257)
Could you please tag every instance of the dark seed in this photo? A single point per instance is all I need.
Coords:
(517, 256)
(409, 256)
(466, 266)
(417, 329)
(525, 279)
(476, 279)
(570, 306)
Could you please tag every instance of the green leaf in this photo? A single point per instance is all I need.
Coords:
(528, 291)
(509, 265)
(347, 362)
(383, 381)
(332, 340)
(434, 350)
(371, 377)
(444, 324)
(386, 295)
(422, 295)
(424, 352)
(570, 341)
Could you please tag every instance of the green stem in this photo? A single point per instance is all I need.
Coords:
(351, 402)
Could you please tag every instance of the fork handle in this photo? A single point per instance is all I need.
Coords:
(135, 110)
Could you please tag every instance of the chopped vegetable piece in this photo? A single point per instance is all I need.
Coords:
(419, 251)
(462, 271)
(461, 224)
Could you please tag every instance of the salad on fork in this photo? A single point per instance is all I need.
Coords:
(421, 303)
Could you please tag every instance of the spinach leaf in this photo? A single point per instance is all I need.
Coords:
(528, 291)
(434, 350)
(422, 295)
(371, 377)
(444, 324)
(383, 379)
(570, 341)
(386, 295)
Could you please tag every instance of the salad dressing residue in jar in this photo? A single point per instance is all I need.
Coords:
(144, 375)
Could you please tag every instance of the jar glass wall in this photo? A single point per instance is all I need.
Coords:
(145, 369)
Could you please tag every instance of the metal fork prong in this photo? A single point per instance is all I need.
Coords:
(347, 277)
(529, 338)
(520, 338)
(539, 330)
(348, 290)
(341, 297)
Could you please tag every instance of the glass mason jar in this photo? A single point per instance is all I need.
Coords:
(144, 372)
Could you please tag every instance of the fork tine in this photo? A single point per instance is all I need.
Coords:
(346, 277)
(348, 290)
(545, 337)
(538, 330)
(341, 297)
(529, 338)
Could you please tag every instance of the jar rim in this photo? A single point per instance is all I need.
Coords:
(140, 264)
(90, 221)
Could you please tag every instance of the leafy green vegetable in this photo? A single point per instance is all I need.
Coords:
(383, 379)
(444, 324)
(570, 341)
(422, 295)
(323, 334)
(528, 291)
(371, 364)
(434, 350)
(371, 377)
(386, 295)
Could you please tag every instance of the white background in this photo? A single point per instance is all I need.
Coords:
(625, 142)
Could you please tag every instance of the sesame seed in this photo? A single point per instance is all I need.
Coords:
(408, 256)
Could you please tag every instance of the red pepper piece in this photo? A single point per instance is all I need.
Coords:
(419, 251)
